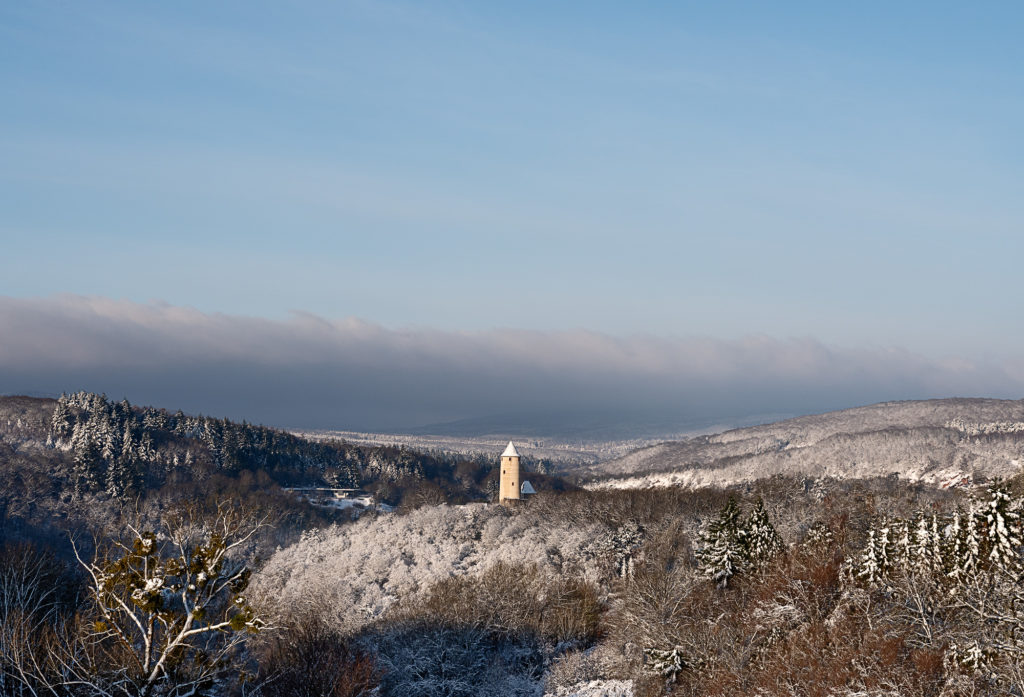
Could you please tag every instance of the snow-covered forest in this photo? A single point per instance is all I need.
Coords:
(190, 571)
(940, 441)
(121, 449)
(784, 587)
(85, 457)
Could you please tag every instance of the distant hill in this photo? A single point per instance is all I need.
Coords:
(943, 441)
(587, 427)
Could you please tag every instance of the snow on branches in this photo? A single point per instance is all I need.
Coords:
(170, 608)
(956, 579)
(731, 545)
(984, 539)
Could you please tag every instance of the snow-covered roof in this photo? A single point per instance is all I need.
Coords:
(510, 451)
(527, 488)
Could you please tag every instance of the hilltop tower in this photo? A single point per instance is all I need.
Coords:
(511, 478)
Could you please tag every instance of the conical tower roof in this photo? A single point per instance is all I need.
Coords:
(510, 451)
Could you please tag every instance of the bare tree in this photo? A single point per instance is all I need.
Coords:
(31, 593)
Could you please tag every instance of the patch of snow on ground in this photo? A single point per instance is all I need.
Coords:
(340, 499)
(596, 688)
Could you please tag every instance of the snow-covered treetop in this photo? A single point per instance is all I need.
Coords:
(510, 451)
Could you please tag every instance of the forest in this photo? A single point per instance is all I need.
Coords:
(79, 460)
(149, 553)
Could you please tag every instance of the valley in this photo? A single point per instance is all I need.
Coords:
(639, 569)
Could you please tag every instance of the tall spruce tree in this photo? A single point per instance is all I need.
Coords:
(86, 458)
(1003, 530)
(723, 553)
(62, 422)
(761, 540)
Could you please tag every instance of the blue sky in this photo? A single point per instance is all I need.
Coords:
(848, 172)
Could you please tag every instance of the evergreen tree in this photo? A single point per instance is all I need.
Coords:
(921, 560)
(145, 450)
(969, 562)
(871, 568)
(623, 545)
(724, 553)
(760, 538)
(955, 548)
(86, 467)
(121, 479)
(128, 442)
(1003, 529)
(62, 422)
(884, 547)
(904, 547)
(937, 549)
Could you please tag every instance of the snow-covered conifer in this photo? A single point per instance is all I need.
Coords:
(921, 553)
(971, 554)
(903, 551)
(724, 553)
(623, 544)
(86, 455)
(145, 449)
(884, 548)
(762, 541)
(61, 422)
(935, 533)
(667, 663)
(955, 547)
(870, 569)
(120, 477)
(1002, 527)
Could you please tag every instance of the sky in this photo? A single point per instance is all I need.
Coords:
(756, 177)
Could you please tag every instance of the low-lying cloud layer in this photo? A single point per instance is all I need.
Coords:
(348, 374)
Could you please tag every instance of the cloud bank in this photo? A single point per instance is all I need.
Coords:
(312, 372)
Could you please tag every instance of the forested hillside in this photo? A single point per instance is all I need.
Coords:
(943, 442)
(82, 458)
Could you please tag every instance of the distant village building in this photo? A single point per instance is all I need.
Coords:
(333, 497)
(511, 481)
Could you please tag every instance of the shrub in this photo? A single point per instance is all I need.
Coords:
(430, 660)
(510, 600)
(309, 660)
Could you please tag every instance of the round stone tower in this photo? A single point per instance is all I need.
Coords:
(511, 479)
